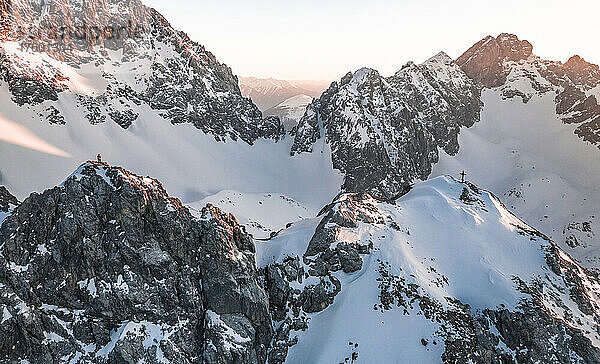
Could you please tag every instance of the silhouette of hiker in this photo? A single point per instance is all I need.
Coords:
(99, 158)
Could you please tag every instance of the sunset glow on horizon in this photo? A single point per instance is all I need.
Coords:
(325, 39)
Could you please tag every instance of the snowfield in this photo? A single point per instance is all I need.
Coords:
(541, 170)
(262, 214)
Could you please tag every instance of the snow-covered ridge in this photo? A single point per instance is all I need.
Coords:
(541, 169)
(421, 275)
(112, 76)
(538, 130)
(262, 214)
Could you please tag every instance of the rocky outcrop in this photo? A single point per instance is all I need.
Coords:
(132, 57)
(108, 268)
(384, 132)
(7, 200)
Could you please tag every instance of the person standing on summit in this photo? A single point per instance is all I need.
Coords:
(99, 158)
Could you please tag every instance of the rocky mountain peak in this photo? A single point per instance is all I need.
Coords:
(360, 77)
(107, 267)
(112, 57)
(385, 131)
(491, 61)
(581, 72)
(484, 61)
(442, 57)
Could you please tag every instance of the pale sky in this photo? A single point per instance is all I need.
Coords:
(311, 39)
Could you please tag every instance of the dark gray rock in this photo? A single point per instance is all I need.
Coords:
(109, 268)
(7, 200)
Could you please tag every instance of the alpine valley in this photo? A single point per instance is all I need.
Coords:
(212, 233)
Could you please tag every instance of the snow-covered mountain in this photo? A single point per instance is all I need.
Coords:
(290, 110)
(533, 143)
(510, 64)
(113, 59)
(107, 267)
(385, 132)
(267, 93)
(537, 143)
(147, 98)
(443, 274)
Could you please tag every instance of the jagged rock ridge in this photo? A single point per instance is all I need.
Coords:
(507, 62)
(7, 200)
(108, 268)
(385, 132)
(117, 56)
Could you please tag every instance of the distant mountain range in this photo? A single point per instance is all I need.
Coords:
(267, 93)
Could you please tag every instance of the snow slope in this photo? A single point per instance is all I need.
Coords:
(540, 168)
(262, 214)
(468, 248)
(191, 164)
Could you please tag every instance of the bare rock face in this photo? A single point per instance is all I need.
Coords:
(108, 268)
(128, 56)
(484, 61)
(384, 132)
